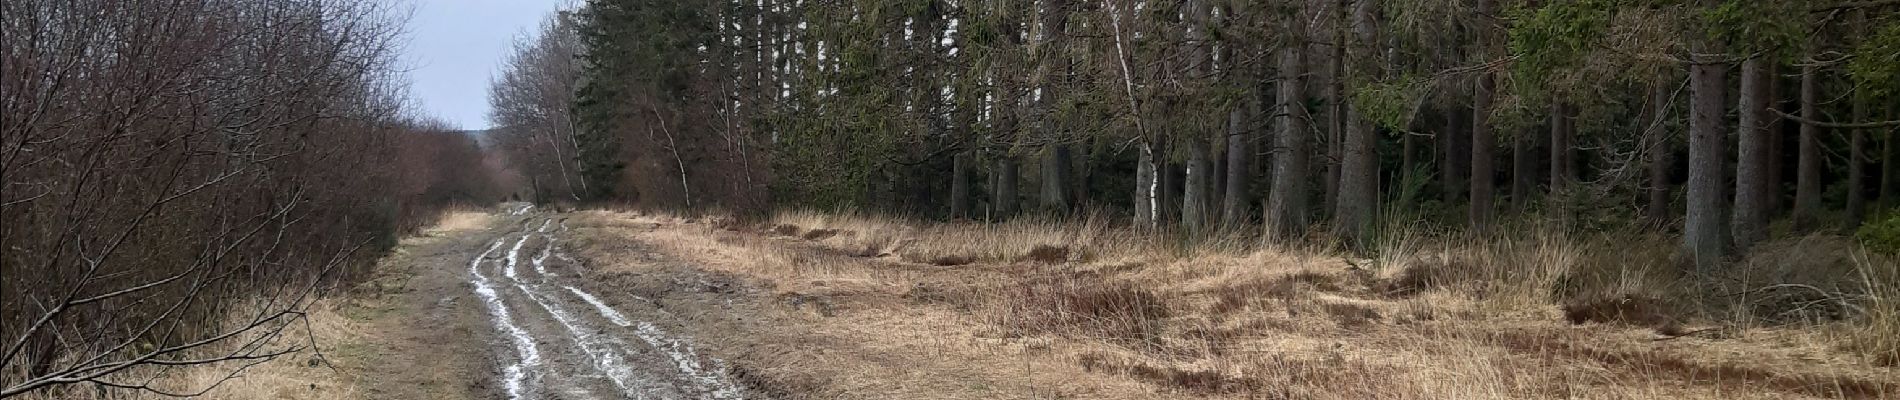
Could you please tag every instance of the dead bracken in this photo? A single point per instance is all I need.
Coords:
(1414, 279)
(1047, 254)
(1084, 307)
(1627, 309)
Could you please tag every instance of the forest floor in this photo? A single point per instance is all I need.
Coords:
(603, 304)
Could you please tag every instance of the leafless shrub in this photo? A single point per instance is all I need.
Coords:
(171, 164)
(530, 102)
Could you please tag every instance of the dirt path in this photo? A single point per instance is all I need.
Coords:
(500, 313)
(533, 304)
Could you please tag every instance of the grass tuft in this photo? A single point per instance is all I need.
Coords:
(1083, 306)
(1046, 254)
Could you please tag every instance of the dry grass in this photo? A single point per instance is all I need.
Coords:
(1081, 305)
(1879, 336)
(458, 221)
(1427, 317)
(301, 375)
(337, 326)
(963, 243)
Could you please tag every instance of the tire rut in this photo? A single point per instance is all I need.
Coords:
(564, 342)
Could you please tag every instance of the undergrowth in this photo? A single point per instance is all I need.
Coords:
(1626, 275)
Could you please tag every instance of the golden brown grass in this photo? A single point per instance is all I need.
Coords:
(304, 374)
(300, 375)
(1426, 317)
(1048, 241)
(1879, 337)
(458, 221)
(335, 325)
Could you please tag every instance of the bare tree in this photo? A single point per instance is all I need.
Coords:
(182, 179)
(530, 103)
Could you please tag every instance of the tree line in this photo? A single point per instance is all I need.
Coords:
(182, 178)
(1713, 118)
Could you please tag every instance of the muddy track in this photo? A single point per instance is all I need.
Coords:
(556, 340)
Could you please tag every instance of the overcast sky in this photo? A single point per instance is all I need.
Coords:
(456, 45)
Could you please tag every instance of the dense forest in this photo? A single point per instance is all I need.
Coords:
(181, 179)
(1726, 121)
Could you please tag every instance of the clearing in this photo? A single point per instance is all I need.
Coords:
(523, 303)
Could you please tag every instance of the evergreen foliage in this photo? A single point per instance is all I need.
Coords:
(1069, 105)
